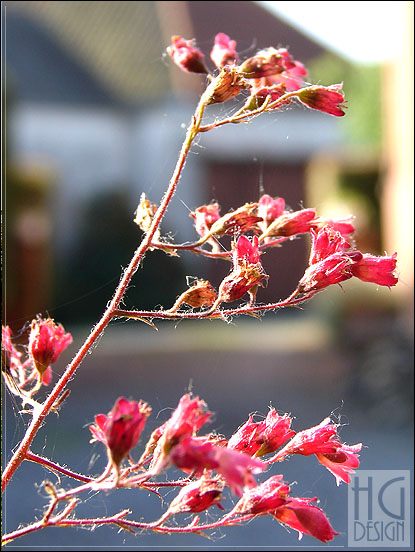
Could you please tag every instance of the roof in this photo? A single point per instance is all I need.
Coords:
(105, 52)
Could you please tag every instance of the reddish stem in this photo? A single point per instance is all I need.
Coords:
(39, 414)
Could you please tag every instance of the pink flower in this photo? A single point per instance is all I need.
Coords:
(290, 224)
(270, 209)
(333, 269)
(270, 66)
(247, 271)
(186, 56)
(329, 99)
(224, 51)
(198, 496)
(204, 217)
(323, 441)
(272, 497)
(121, 429)
(245, 251)
(47, 340)
(265, 498)
(198, 454)
(186, 420)
(342, 462)
(325, 243)
(318, 439)
(378, 270)
(306, 518)
(259, 438)
(344, 226)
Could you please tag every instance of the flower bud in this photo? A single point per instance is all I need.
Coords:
(186, 56)
(224, 51)
(204, 217)
(324, 98)
(121, 429)
(198, 496)
(290, 224)
(247, 271)
(47, 340)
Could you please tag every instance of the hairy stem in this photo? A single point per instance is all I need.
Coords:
(40, 413)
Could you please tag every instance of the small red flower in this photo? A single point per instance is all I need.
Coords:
(334, 269)
(186, 420)
(325, 243)
(329, 99)
(259, 438)
(121, 429)
(198, 454)
(342, 462)
(270, 209)
(344, 226)
(224, 51)
(47, 340)
(265, 498)
(204, 217)
(271, 66)
(290, 224)
(198, 496)
(378, 270)
(323, 441)
(186, 56)
(306, 518)
(247, 271)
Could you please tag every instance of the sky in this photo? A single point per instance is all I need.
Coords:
(366, 32)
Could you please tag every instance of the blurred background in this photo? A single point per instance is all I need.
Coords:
(94, 114)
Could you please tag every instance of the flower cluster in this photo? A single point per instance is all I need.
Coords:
(271, 76)
(216, 463)
(332, 258)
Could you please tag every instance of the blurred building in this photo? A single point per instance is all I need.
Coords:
(96, 115)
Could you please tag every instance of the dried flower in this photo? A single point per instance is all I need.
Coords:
(228, 84)
(144, 213)
(241, 220)
(200, 294)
